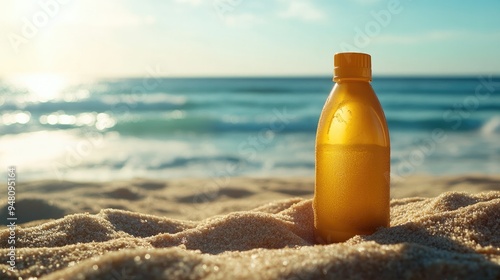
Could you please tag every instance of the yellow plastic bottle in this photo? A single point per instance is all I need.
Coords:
(352, 192)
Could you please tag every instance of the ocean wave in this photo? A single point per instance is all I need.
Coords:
(203, 124)
(95, 105)
(196, 160)
(439, 107)
(433, 123)
(129, 104)
(491, 126)
(180, 122)
(307, 124)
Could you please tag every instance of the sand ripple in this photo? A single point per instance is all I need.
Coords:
(454, 235)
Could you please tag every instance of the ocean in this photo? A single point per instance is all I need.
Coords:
(108, 129)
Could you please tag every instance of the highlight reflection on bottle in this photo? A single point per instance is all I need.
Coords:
(352, 156)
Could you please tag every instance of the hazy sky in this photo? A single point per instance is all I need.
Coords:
(103, 38)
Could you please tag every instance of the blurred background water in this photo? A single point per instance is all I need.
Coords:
(51, 127)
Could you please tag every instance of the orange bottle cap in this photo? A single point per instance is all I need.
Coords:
(352, 65)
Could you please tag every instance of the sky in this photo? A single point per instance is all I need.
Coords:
(113, 38)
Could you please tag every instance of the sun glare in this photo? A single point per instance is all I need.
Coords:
(44, 86)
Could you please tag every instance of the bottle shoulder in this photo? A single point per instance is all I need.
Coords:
(361, 89)
(353, 115)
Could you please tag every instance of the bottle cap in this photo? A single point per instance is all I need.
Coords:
(352, 65)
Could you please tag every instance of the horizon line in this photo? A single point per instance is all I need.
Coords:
(296, 76)
(383, 76)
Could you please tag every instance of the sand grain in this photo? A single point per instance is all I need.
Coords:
(454, 235)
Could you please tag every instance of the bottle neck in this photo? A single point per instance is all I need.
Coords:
(343, 80)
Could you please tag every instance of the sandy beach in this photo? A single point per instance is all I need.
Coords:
(248, 228)
(155, 140)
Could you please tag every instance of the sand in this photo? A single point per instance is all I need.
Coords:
(248, 229)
